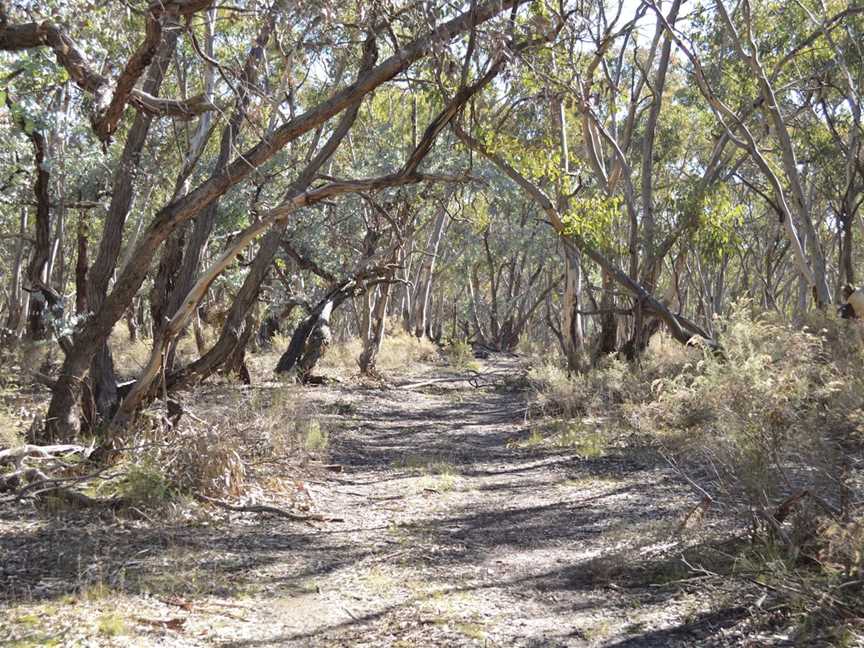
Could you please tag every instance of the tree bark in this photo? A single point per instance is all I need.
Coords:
(18, 305)
(81, 263)
(107, 106)
(374, 337)
(571, 324)
(103, 380)
(195, 245)
(607, 343)
(36, 271)
(427, 272)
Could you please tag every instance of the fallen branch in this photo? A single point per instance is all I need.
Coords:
(166, 624)
(35, 481)
(264, 508)
(435, 381)
(17, 455)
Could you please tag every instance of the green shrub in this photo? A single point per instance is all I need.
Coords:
(460, 355)
(146, 483)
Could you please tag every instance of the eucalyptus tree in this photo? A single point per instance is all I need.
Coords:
(747, 64)
(112, 95)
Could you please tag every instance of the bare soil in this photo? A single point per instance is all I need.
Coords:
(458, 528)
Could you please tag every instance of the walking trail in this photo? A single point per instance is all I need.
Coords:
(456, 530)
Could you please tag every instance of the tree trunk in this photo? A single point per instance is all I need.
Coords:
(571, 319)
(374, 337)
(310, 340)
(97, 329)
(36, 328)
(234, 328)
(474, 292)
(607, 344)
(102, 377)
(236, 363)
(193, 253)
(17, 303)
(847, 267)
(427, 271)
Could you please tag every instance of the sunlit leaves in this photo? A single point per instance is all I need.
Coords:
(593, 219)
(720, 219)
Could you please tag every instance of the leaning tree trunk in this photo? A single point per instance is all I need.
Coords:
(103, 380)
(97, 329)
(234, 328)
(311, 338)
(236, 362)
(196, 243)
(316, 344)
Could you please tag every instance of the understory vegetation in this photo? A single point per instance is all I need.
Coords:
(770, 433)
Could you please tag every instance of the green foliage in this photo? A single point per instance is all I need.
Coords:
(721, 217)
(146, 483)
(460, 355)
(593, 219)
(476, 211)
(313, 436)
(111, 625)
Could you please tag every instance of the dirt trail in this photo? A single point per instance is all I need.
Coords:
(454, 534)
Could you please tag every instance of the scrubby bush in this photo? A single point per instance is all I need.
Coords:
(771, 432)
(207, 463)
(460, 355)
(774, 416)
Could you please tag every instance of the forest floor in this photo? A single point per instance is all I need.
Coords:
(457, 526)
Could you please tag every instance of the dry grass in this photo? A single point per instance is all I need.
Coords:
(12, 428)
(589, 438)
(398, 350)
(21, 399)
(772, 432)
(131, 357)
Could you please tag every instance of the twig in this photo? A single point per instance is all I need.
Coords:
(264, 508)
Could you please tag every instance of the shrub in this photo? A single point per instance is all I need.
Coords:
(771, 433)
(207, 463)
(188, 462)
(401, 347)
(771, 418)
(609, 385)
(460, 355)
(145, 483)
